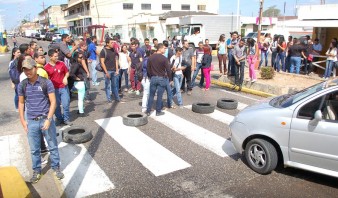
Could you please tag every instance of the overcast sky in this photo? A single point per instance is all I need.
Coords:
(14, 11)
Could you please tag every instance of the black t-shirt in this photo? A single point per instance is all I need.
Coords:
(295, 50)
(110, 60)
(135, 58)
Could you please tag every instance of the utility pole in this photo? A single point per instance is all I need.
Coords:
(84, 18)
(260, 20)
(44, 11)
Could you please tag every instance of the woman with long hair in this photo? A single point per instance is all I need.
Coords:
(281, 46)
(14, 65)
(124, 63)
(331, 58)
(206, 66)
(222, 54)
(77, 73)
(252, 52)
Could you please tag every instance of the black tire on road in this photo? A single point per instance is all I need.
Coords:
(76, 135)
(261, 156)
(135, 119)
(227, 103)
(203, 108)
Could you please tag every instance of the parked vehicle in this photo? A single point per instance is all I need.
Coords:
(300, 130)
(29, 33)
(209, 27)
(56, 36)
(37, 36)
(254, 35)
(49, 36)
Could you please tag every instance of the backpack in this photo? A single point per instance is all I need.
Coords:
(43, 83)
(98, 67)
(13, 72)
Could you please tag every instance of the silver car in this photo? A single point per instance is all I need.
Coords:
(299, 130)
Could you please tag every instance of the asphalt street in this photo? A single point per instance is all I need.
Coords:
(112, 166)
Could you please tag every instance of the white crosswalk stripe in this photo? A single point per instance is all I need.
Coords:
(12, 153)
(217, 115)
(148, 152)
(197, 134)
(241, 106)
(83, 176)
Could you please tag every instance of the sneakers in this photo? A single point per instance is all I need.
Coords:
(189, 93)
(125, 90)
(121, 101)
(36, 177)
(66, 122)
(253, 80)
(59, 175)
(131, 91)
(96, 83)
(137, 92)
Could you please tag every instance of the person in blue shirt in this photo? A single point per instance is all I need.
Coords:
(92, 60)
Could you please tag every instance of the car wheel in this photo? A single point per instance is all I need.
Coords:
(135, 119)
(203, 108)
(226, 103)
(76, 135)
(261, 156)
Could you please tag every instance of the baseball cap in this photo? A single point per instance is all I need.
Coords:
(37, 54)
(28, 63)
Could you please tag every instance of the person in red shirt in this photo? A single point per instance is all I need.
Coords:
(58, 74)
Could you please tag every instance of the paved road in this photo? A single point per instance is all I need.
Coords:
(181, 154)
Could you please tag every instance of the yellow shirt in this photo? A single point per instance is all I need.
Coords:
(41, 71)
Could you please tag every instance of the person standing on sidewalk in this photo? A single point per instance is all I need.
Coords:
(263, 46)
(136, 60)
(331, 58)
(222, 53)
(58, 73)
(233, 43)
(110, 67)
(199, 52)
(281, 46)
(252, 53)
(239, 56)
(274, 51)
(14, 74)
(189, 61)
(38, 95)
(158, 70)
(206, 66)
(92, 60)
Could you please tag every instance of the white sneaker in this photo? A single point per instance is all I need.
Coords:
(131, 91)
(254, 80)
(137, 92)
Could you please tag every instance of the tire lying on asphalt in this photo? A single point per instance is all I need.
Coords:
(76, 135)
(203, 108)
(226, 103)
(261, 156)
(135, 119)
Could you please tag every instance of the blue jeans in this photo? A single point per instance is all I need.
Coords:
(93, 71)
(328, 69)
(239, 73)
(62, 98)
(280, 58)
(231, 65)
(169, 94)
(295, 63)
(111, 84)
(176, 90)
(16, 96)
(198, 68)
(156, 83)
(273, 59)
(125, 72)
(34, 140)
(264, 55)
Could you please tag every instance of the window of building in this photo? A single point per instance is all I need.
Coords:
(146, 6)
(127, 6)
(185, 7)
(201, 7)
(166, 6)
(88, 7)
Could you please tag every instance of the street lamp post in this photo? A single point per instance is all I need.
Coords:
(237, 19)
(260, 20)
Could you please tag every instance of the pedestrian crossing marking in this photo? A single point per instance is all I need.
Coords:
(148, 152)
(217, 115)
(83, 176)
(241, 106)
(197, 134)
(12, 153)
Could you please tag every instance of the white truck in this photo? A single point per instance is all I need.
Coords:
(209, 27)
(30, 33)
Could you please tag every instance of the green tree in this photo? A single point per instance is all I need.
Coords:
(24, 21)
(272, 11)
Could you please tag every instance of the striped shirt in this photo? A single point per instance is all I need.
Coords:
(37, 104)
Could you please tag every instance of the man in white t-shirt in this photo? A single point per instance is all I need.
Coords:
(176, 67)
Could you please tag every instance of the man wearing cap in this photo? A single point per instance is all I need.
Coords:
(40, 60)
(38, 95)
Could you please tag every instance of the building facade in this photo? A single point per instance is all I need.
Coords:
(52, 18)
(78, 16)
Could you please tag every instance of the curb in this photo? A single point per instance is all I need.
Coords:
(12, 183)
(244, 89)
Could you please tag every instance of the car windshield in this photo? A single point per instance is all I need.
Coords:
(184, 31)
(287, 100)
(250, 35)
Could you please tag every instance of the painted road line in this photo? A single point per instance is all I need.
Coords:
(217, 115)
(197, 134)
(148, 152)
(241, 106)
(240, 95)
(12, 153)
(83, 176)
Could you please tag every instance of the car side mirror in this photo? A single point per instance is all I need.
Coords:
(318, 116)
